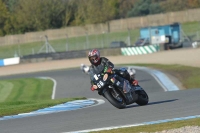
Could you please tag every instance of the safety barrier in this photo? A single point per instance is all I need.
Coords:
(9, 61)
(79, 54)
(67, 55)
(140, 50)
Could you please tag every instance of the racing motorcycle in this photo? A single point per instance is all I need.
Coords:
(117, 90)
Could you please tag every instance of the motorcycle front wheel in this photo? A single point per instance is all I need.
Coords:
(143, 98)
(115, 98)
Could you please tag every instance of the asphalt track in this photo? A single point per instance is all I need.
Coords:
(73, 83)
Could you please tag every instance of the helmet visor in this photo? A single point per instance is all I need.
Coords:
(94, 59)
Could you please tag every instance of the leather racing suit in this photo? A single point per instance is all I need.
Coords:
(104, 62)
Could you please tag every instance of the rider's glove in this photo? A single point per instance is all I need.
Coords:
(109, 70)
(135, 82)
(92, 88)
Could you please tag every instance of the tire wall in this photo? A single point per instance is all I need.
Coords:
(127, 51)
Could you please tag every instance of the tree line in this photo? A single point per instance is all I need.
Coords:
(20, 16)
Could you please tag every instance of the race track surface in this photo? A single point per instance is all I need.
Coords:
(73, 83)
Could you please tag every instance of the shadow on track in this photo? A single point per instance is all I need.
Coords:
(152, 103)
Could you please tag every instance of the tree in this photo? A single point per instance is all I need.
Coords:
(144, 7)
(3, 17)
(11, 4)
(140, 8)
(80, 12)
(71, 8)
(174, 5)
(95, 11)
(109, 10)
(155, 8)
(193, 3)
(123, 7)
(38, 15)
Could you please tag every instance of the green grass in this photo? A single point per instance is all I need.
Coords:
(25, 106)
(155, 127)
(29, 89)
(25, 95)
(189, 76)
(192, 30)
(191, 27)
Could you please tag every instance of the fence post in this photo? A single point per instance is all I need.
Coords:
(87, 40)
(129, 37)
(67, 46)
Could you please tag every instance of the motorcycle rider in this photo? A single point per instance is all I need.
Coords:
(97, 63)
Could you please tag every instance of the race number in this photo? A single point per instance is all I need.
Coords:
(95, 76)
(100, 84)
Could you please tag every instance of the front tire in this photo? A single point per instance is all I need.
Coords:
(143, 98)
(118, 102)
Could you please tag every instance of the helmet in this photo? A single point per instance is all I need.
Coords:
(94, 56)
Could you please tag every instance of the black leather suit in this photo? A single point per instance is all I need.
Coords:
(104, 62)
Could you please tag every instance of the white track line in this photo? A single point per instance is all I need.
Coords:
(134, 125)
(54, 86)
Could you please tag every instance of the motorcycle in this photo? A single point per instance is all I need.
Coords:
(117, 90)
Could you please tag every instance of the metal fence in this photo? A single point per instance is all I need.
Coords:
(88, 41)
(193, 36)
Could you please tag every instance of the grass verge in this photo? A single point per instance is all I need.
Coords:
(187, 75)
(155, 127)
(25, 95)
(25, 106)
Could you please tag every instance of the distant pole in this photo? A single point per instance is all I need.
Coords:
(87, 40)
(129, 37)
(67, 46)
(107, 38)
(15, 54)
(46, 44)
(103, 39)
(97, 41)
(19, 50)
(74, 47)
(33, 51)
(150, 35)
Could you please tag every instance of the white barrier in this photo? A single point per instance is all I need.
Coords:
(10, 61)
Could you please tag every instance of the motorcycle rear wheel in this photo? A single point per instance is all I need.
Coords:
(118, 102)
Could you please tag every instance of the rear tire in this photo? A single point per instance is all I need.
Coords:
(120, 104)
(143, 98)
